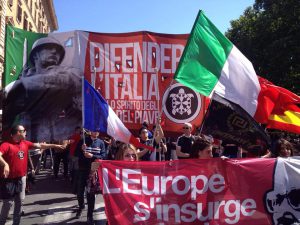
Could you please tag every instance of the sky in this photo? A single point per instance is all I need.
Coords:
(161, 16)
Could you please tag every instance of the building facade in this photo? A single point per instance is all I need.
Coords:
(31, 15)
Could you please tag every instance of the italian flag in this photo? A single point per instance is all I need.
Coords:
(211, 63)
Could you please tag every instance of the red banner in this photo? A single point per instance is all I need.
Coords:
(133, 72)
(209, 192)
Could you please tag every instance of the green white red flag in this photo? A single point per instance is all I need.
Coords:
(211, 63)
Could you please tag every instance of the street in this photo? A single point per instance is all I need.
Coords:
(50, 201)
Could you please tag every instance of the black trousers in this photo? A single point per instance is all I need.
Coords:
(58, 157)
(82, 178)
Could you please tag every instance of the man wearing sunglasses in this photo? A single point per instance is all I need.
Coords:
(283, 202)
(185, 142)
(13, 158)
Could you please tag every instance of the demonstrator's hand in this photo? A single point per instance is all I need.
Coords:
(6, 170)
(88, 155)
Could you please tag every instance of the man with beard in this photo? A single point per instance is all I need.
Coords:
(14, 159)
(283, 202)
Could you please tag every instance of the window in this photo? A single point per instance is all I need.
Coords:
(34, 14)
(39, 18)
(40, 26)
(25, 23)
(10, 3)
(19, 12)
(9, 20)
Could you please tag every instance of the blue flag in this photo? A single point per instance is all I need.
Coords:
(98, 116)
(95, 109)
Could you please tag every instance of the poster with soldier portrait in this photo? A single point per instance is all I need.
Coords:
(44, 92)
(133, 71)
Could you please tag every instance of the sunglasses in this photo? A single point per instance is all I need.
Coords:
(293, 199)
(22, 131)
(130, 155)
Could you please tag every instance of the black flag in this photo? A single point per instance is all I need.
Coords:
(229, 122)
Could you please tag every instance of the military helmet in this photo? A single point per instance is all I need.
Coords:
(46, 41)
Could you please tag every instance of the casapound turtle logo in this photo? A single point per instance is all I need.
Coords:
(182, 104)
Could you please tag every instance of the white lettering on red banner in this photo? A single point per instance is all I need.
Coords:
(133, 182)
(210, 192)
(133, 71)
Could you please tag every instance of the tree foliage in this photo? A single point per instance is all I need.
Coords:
(268, 34)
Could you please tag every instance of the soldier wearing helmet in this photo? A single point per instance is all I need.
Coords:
(46, 52)
(47, 95)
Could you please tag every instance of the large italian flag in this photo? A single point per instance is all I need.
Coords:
(211, 63)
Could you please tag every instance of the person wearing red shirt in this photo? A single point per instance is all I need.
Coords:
(14, 158)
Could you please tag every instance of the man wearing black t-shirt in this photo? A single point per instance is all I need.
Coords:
(185, 142)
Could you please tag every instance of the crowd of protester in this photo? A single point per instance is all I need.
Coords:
(81, 154)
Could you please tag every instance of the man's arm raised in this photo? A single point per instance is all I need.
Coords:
(44, 146)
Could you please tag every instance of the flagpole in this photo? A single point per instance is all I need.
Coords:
(82, 107)
(158, 94)
(168, 90)
(154, 132)
(206, 114)
(25, 53)
(160, 109)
